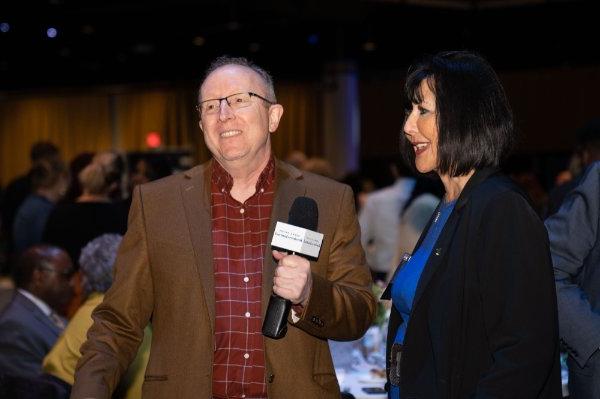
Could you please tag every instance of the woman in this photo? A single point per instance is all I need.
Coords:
(474, 308)
(72, 225)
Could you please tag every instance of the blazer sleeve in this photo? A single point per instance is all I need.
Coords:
(573, 233)
(119, 321)
(517, 297)
(341, 306)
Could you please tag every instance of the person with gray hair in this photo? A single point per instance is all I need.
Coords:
(96, 261)
(96, 266)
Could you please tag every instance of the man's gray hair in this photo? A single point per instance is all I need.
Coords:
(96, 262)
(241, 61)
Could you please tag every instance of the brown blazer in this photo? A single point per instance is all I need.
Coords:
(164, 272)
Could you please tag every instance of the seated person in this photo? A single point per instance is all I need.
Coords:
(96, 266)
(29, 325)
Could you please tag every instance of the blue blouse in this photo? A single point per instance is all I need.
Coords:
(404, 284)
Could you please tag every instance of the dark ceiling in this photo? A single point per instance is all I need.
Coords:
(99, 42)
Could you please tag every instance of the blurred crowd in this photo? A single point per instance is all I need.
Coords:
(61, 225)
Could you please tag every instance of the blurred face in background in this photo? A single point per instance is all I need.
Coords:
(55, 279)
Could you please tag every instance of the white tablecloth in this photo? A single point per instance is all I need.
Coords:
(353, 361)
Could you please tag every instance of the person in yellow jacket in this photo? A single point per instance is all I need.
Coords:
(96, 260)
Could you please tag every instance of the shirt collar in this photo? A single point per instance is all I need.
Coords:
(224, 182)
(37, 301)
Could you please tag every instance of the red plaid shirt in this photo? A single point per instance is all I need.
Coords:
(239, 237)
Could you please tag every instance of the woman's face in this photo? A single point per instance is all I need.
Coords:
(420, 128)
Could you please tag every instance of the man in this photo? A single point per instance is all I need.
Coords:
(196, 260)
(30, 325)
(380, 219)
(575, 248)
(587, 151)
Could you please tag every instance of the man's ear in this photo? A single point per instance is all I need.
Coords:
(200, 124)
(275, 112)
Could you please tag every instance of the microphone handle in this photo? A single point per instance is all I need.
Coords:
(275, 323)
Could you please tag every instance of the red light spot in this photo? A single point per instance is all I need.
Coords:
(153, 140)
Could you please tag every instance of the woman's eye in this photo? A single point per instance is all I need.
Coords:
(422, 111)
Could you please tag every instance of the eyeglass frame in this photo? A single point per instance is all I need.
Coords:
(250, 93)
(65, 273)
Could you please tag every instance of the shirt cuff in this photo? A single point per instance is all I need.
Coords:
(297, 313)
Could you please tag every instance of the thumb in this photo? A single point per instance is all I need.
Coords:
(279, 255)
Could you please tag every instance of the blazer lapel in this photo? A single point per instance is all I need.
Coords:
(437, 254)
(288, 186)
(195, 191)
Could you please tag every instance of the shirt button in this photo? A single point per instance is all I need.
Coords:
(247, 314)
(262, 190)
(246, 356)
(246, 279)
(222, 190)
(243, 395)
(242, 211)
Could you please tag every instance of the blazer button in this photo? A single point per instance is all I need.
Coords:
(437, 251)
(270, 378)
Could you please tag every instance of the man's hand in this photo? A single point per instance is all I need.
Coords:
(293, 279)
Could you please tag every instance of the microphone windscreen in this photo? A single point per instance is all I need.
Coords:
(304, 213)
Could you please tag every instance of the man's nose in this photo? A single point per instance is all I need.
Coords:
(225, 111)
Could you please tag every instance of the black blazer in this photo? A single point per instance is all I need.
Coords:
(484, 319)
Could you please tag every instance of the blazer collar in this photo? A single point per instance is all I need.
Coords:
(195, 192)
(479, 176)
(36, 312)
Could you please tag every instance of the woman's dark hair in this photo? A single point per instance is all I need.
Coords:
(474, 119)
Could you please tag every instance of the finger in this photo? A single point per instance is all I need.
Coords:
(284, 292)
(296, 262)
(283, 281)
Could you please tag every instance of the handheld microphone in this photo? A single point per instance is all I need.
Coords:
(304, 214)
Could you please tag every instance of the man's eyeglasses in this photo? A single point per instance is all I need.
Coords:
(235, 101)
(65, 273)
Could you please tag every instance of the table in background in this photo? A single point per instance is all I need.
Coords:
(354, 360)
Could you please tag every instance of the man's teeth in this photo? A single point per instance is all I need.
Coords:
(230, 133)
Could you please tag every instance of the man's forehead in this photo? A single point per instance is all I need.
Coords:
(61, 259)
(234, 76)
